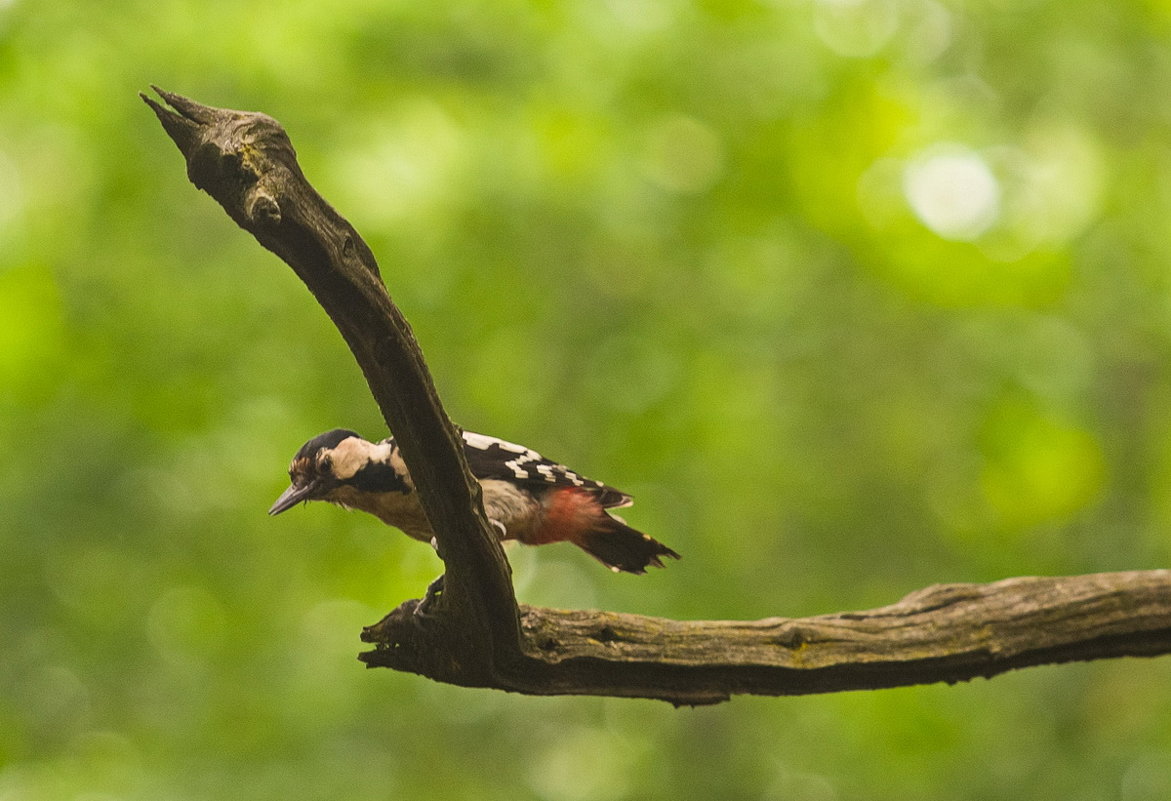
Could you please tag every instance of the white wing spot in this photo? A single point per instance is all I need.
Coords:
(485, 442)
(517, 465)
(528, 464)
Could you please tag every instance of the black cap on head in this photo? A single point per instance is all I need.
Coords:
(329, 439)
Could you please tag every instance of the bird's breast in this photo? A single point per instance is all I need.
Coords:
(399, 509)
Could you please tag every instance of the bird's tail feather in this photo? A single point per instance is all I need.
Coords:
(622, 548)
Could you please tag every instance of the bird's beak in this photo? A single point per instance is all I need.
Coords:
(293, 496)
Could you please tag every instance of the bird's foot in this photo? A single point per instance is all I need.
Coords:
(434, 590)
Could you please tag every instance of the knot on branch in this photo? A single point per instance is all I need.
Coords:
(261, 207)
(241, 158)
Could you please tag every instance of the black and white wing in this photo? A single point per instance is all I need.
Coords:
(489, 457)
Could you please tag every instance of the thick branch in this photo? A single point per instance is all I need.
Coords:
(246, 162)
(478, 636)
(949, 632)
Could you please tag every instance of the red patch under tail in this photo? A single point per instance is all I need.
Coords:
(576, 516)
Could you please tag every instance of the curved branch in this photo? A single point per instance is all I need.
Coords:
(479, 637)
(246, 162)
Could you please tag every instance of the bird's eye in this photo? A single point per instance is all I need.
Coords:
(325, 464)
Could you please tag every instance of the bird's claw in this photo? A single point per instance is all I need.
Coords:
(423, 608)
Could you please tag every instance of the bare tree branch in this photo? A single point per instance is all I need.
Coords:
(479, 637)
(246, 162)
(950, 632)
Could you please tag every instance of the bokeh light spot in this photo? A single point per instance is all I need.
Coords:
(855, 28)
(953, 192)
(683, 155)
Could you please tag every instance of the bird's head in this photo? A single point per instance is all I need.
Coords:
(339, 466)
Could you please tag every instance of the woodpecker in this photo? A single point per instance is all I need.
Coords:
(527, 497)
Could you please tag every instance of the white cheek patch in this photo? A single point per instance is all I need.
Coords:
(348, 457)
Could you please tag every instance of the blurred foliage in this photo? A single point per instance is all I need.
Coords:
(854, 296)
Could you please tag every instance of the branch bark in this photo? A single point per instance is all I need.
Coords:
(479, 637)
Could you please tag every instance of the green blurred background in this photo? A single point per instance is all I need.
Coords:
(854, 296)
